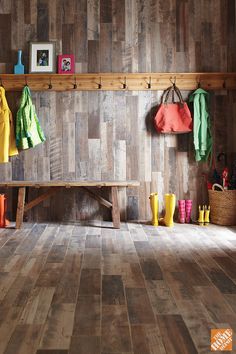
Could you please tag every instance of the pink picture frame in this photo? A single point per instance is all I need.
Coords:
(66, 64)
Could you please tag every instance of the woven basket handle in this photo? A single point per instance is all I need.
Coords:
(218, 186)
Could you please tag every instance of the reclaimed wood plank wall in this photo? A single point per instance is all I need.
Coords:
(109, 135)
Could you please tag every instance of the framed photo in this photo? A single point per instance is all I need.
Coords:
(42, 57)
(66, 64)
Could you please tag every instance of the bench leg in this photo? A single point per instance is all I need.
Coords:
(20, 207)
(115, 208)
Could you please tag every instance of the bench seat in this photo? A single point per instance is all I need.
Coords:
(52, 187)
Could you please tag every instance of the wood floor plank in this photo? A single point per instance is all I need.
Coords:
(195, 274)
(198, 321)
(85, 345)
(132, 275)
(37, 307)
(92, 258)
(180, 286)
(228, 265)
(112, 264)
(30, 241)
(87, 319)
(58, 327)
(115, 329)
(211, 297)
(57, 254)
(146, 340)
(67, 286)
(112, 290)
(93, 241)
(144, 249)
(139, 307)
(25, 339)
(175, 334)
(8, 321)
(116, 339)
(231, 300)
(222, 281)
(161, 297)
(50, 275)
(90, 282)
(18, 292)
(151, 269)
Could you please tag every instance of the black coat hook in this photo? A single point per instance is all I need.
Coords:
(149, 83)
(26, 81)
(1, 83)
(173, 82)
(224, 84)
(124, 84)
(100, 83)
(50, 84)
(75, 84)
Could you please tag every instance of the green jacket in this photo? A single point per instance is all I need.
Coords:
(28, 130)
(202, 137)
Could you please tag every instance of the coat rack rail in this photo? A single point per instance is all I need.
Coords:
(118, 81)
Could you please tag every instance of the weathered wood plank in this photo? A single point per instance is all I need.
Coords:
(139, 308)
(20, 207)
(87, 316)
(182, 343)
(115, 207)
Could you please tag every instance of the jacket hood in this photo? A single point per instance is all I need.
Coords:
(200, 91)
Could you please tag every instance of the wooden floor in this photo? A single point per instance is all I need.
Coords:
(70, 289)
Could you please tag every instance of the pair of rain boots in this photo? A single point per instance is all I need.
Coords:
(169, 209)
(185, 209)
(204, 215)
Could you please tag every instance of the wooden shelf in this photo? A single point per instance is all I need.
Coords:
(118, 81)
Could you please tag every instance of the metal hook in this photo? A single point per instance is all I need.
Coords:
(173, 82)
(75, 84)
(124, 84)
(149, 83)
(1, 82)
(26, 82)
(50, 83)
(100, 83)
(224, 84)
(199, 83)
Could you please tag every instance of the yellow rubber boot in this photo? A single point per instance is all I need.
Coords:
(201, 216)
(207, 215)
(154, 207)
(170, 209)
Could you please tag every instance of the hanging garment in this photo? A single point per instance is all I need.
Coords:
(28, 130)
(202, 137)
(7, 136)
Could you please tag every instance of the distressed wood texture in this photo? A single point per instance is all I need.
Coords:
(91, 290)
(109, 134)
(119, 81)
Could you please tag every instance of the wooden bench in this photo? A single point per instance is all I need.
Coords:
(54, 186)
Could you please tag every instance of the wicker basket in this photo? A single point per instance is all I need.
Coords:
(223, 207)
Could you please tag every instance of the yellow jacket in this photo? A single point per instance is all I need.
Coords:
(7, 137)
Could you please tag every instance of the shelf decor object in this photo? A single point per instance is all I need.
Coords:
(19, 67)
(119, 81)
(42, 57)
(66, 64)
